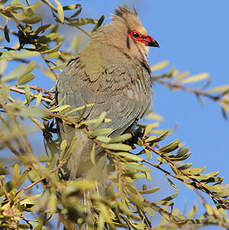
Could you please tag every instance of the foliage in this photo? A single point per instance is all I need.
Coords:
(32, 192)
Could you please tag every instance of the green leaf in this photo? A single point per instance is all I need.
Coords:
(129, 156)
(6, 33)
(195, 78)
(185, 166)
(195, 171)
(219, 89)
(181, 158)
(103, 139)
(19, 70)
(159, 66)
(225, 106)
(12, 55)
(137, 199)
(53, 55)
(63, 146)
(166, 200)
(193, 212)
(99, 23)
(170, 147)
(55, 49)
(158, 139)
(148, 154)
(32, 199)
(136, 166)
(4, 92)
(204, 177)
(38, 101)
(72, 17)
(31, 112)
(101, 132)
(149, 191)
(100, 120)
(61, 109)
(93, 121)
(36, 6)
(30, 67)
(60, 67)
(121, 138)
(149, 127)
(3, 65)
(60, 10)
(79, 185)
(171, 183)
(16, 5)
(27, 94)
(154, 116)
(52, 202)
(83, 21)
(182, 152)
(92, 154)
(25, 78)
(28, 17)
(84, 107)
(43, 28)
(120, 147)
(180, 77)
(71, 7)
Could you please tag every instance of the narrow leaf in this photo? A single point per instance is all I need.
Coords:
(27, 94)
(92, 154)
(120, 147)
(149, 191)
(61, 109)
(60, 10)
(121, 138)
(25, 78)
(99, 23)
(101, 132)
(38, 101)
(195, 78)
(129, 156)
(159, 66)
(219, 89)
(170, 147)
(6, 33)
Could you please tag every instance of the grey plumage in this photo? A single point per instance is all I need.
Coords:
(112, 73)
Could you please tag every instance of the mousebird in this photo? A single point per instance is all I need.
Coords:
(113, 74)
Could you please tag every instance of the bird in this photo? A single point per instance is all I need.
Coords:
(111, 73)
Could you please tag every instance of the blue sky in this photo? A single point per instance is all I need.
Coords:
(193, 35)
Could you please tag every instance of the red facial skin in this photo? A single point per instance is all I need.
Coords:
(145, 39)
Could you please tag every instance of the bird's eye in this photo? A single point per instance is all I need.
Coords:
(136, 35)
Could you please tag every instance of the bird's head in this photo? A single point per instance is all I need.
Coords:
(123, 37)
(130, 30)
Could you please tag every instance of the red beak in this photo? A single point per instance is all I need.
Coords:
(152, 42)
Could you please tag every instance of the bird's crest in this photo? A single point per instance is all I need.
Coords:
(127, 16)
(123, 11)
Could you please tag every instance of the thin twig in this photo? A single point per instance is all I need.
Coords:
(38, 123)
(49, 66)
(19, 90)
(187, 89)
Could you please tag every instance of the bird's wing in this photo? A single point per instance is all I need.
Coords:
(123, 91)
